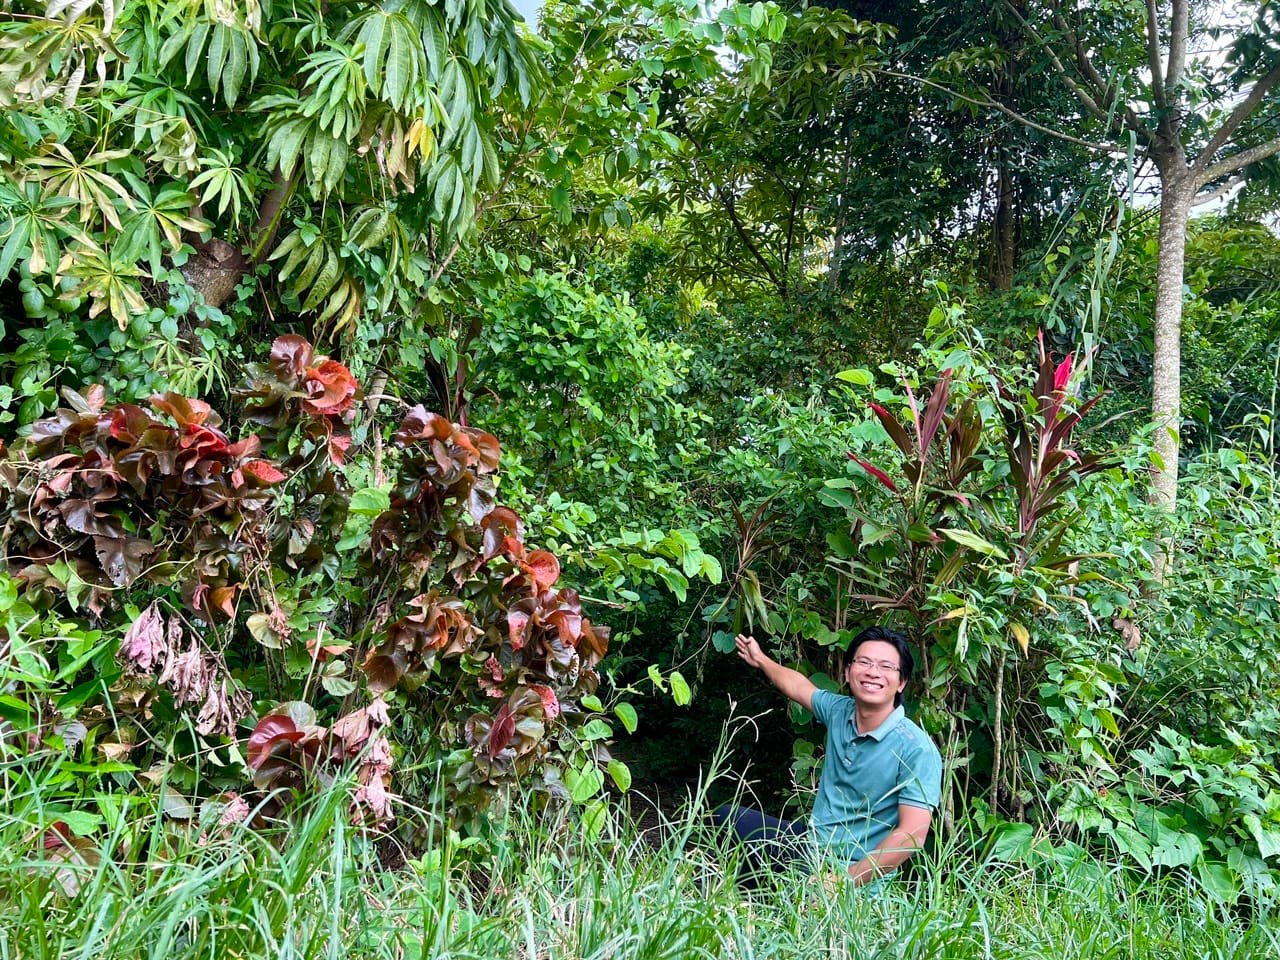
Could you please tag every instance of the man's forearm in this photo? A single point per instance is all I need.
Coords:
(791, 683)
(893, 851)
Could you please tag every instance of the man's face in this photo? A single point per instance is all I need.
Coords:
(874, 676)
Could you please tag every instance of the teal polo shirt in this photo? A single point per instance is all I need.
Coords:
(866, 775)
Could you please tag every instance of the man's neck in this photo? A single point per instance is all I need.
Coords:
(870, 718)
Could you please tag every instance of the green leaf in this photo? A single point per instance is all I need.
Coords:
(1268, 840)
(79, 822)
(723, 641)
(370, 502)
(1013, 841)
(583, 784)
(841, 544)
(857, 376)
(1219, 881)
(655, 677)
(680, 691)
(626, 713)
(259, 626)
(1176, 849)
(596, 729)
(967, 538)
(338, 686)
(621, 774)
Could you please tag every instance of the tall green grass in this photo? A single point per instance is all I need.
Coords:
(157, 888)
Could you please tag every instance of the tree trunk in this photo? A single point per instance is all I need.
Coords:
(1003, 226)
(1177, 191)
(218, 267)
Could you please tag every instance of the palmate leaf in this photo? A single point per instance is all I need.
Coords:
(314, 275)
(220, 41)
(96, 191)
(222, 181)
(156, 229)
(32, 226)
(337, 89)
(112, 285)
(73, 10)
(165, 122)
(42, 57)
(395, 58)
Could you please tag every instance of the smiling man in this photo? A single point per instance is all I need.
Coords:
(881, 780)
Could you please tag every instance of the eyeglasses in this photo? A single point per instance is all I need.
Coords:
(862, 663)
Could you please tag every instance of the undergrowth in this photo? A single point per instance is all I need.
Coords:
(160, 886)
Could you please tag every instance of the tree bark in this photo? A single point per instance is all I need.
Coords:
(1003, 227)
(1177, 193)
(218, 267)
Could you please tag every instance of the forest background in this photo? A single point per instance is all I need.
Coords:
(403, 409)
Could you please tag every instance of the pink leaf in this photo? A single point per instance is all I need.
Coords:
(517, 621)
(550, 702)
(144, 643)
(1063, 373)
(263, 470)
(875, 472)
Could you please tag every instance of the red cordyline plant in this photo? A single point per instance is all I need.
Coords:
(462, 627)
(940, 506)
(1037, 432)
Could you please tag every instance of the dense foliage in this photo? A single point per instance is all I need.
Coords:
(337, 340)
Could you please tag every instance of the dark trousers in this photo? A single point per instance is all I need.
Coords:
(769, 844)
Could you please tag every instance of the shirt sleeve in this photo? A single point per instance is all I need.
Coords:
(921, 775)
(823, 702)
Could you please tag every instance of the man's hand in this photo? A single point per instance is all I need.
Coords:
(750, 651)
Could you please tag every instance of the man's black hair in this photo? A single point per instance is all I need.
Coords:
(897, 640)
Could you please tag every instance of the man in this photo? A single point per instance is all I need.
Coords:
(881, 779)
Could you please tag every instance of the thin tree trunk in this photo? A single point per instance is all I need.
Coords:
(998, 747)
(1000, 275)
(1166, 366)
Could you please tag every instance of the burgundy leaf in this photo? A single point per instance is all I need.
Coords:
(894, 428)
(500, 734)
(290, 356)
(934, 411)
(271, 730)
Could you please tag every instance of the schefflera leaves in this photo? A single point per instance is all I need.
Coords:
(483, 606)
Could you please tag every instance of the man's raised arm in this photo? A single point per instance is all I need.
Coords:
(794, 685)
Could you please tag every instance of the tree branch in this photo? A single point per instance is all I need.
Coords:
(1106, 93)
(272, 210)
(1261, 87)
(1101, 90)
(1153, 54)
(1178, 32)
(1008, 112)
(1240, 160)
(1218, 192)
(727, 201)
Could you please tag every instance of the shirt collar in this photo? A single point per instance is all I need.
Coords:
(880, 732)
